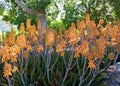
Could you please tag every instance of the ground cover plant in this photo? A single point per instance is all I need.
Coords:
(78, 56)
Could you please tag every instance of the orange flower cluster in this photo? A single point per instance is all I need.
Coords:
(32, 31)
(15, 69)
(115, 38)
(28, 47)
(99, 48)
(60, 47)
(81, 26)
(90, 56)
(9, 53)
(28, 24)
(10, 40)
(91, 33)
(5, 53)
(13, 53)
(92, 30)
(22, 27)
(82, 49)
(72, 35)
(8, 70)
(101, 21)
(21, 41)
(98, 38)
(91, 64)
(77, 51)
(50, 38)
(39, 48)
(13, 46)
(87, 39)
(87, 18)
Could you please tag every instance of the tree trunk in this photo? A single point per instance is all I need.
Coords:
(42, 17)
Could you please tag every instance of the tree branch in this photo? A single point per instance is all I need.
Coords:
(24, 8)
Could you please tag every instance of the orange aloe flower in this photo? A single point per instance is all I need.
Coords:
(50, 38)
(91, 64)
(101, 43)
(101, 21)
(60, 47)
(22, 27)
(12, 54)
(104, 32)
(87, 17)
(32, 31)
(72, 35)
(11, 38)
(84, 47)
(78, 51)
(35, 39)
(89, 56)
(28, 47)
(81, 26)
(96, 52)
(5, 53)
(15, 69)
(92, 30)
(13, 59)
(108, 26)
(39, 48)
(21, 41)
(28, 23)
(7, 70)
(16, 49)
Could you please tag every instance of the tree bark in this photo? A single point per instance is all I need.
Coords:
(23, 7)
(40, 15)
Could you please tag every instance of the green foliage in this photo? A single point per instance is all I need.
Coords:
(72, 13)
(56, 25)
(116, 4)
(99, 80)
(1, 10)
(73, 10)
(38, 5)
